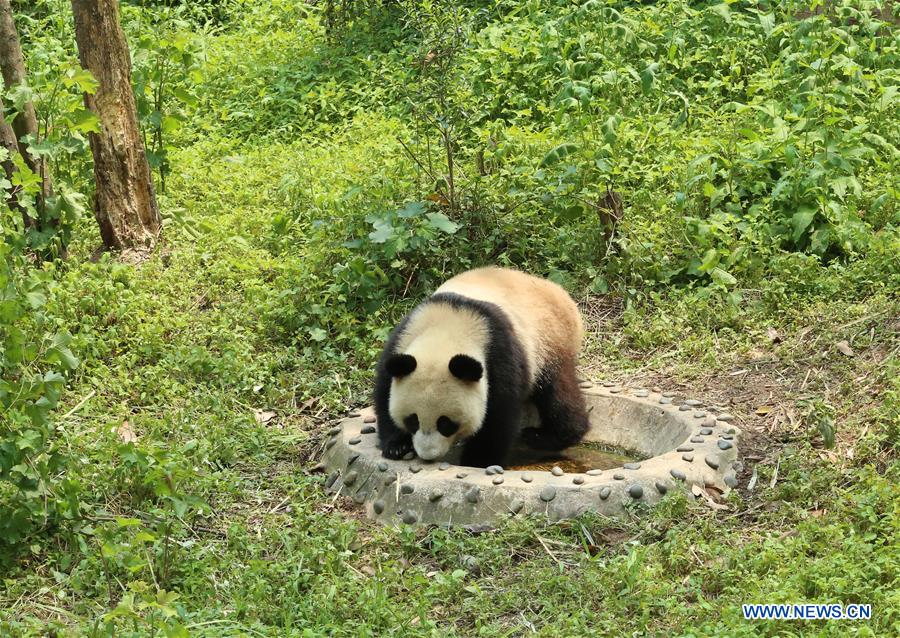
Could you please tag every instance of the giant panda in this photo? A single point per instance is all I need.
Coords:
(461, 367)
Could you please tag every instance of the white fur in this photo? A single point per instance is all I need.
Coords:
(435, 334)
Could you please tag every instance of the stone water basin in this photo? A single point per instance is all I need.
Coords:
(640, 445)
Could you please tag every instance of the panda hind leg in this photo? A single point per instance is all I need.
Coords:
(561, 406)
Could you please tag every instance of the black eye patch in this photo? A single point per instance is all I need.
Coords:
(412, 423)
(446, 427)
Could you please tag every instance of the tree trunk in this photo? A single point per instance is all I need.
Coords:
(124, 203)
(12, 66)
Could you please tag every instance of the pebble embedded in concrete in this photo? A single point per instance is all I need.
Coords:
(548, 493)
(604, 493)
(556, 471)
(635, 491)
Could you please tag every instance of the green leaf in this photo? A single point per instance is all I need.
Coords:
(709, 261)
(801, 221)
(36, 299)
(442, 223)
(86, 121)
(722, 277)
(559, 153)
(412, 209)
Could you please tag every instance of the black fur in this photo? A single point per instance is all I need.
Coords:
(560, 404)
(464, 367)
(557, 396)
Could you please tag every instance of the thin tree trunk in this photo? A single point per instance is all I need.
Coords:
(12, 66)
(8, 141)
(124, 203)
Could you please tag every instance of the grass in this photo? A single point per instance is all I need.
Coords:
(196, 416)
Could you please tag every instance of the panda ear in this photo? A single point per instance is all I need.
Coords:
(400, 365)
(464, 367)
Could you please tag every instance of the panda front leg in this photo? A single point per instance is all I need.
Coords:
(492, 444)
(560, 404)
(395, 443)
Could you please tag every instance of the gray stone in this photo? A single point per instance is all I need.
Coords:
(604, 493)
(619, 476)
(713, 463)
(635, 491)
(516, 505)
(407, 488)
(435, 496)
(350, 478)
(594, 472)
(578, 480)
(389, 478)
(678, 474)
(355, 414)
(378, 506)
(688, 457)
(369, 419)
(368, 429)
(334, 431)
(493, 469)
(331, 479)
(352, 458)
(699, 414)
(662, 488)
(443, 465)
(641, 393)
(415, 469)
(409, 517)
(684, 407)
(584, 385)
(473, 495)
(724, 445)
(615, 390)
(685, 448)
(728, 437)
(730, 481)
(725, 417)
(706, 431)
(527, 478)
(330, 442)
(497, 480)
(461, 475)
(665, 400)
(668, 395)
(557, 471)
(693, 402)
(697, 439)
(632, 466)
(709, 422)
(382, 466)
(608, 384)
(409, 456)
(548, 493)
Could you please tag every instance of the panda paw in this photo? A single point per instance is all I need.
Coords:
(397, 448)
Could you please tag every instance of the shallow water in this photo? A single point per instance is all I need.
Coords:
(579, 458)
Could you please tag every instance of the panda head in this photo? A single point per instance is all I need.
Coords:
(438, 401)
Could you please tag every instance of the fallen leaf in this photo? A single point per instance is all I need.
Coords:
(763, 410)
(699, 492)
(126, 432)
(263, 416)
(774, 337)
(844, 348)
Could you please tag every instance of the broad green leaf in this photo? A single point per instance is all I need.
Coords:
(441, 222)
(801, 221)
(412, 209)
(86, 121)
(557, 154)
(722, 277)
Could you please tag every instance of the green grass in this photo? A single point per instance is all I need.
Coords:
(201, 519)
